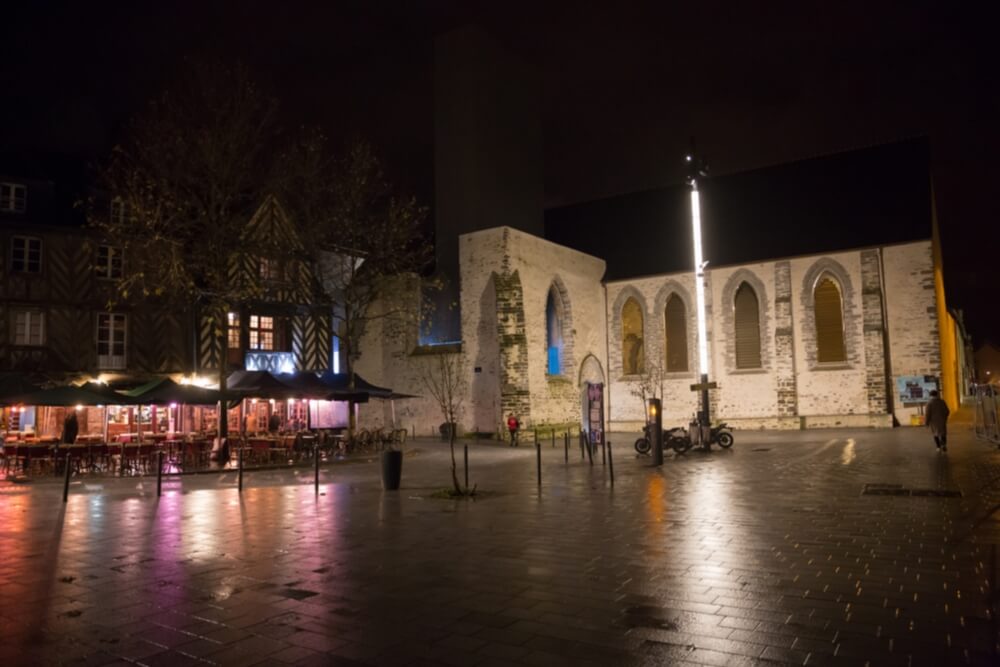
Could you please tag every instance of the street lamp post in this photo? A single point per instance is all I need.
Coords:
(698, 169)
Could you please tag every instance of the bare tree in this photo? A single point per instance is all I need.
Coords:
(363, 236)
(181, 186)
(650, 383)
(441, 375)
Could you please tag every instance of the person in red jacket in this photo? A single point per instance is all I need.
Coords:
(513, 425)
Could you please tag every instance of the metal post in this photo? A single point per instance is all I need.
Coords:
(567, 448)
(66, 479)
(466, 448)
(553, 438)
(655, 417)
(240, 463)
(122, 459)
(582, 441)
(159, 473)
(611, 465)
(590, 451)
(316, 465)
(604, 454)
(538, 456)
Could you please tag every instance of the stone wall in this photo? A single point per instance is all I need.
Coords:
(911, 307)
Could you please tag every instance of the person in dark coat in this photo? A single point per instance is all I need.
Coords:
(936, 418)
(70, 428)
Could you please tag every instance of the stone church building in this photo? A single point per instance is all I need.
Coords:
(824, 288)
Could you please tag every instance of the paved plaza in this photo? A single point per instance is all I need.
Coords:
(770, 553)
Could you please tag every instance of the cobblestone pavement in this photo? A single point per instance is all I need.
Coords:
(767, 553)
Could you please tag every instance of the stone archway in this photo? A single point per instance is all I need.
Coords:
(592, 398)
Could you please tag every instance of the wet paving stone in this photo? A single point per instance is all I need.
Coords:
(773, 552)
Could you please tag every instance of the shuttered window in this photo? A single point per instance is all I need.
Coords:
(829, 322)
(747, 328)
(633, 361)
(675, 326)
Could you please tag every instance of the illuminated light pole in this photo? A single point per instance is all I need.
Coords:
(696, 170)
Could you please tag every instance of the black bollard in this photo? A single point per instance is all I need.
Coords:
(239, 459)
(159, 473)
(604, 454)
(316, 465)
(122, 460)
(611, 465)
(590, 451)
(553, 438)
(538, 456)
(66, 480)
(583, 439)
(466, 448)
(566, 447)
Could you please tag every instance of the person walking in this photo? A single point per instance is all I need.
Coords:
(513, 425)
(936, 418)
(70, 428)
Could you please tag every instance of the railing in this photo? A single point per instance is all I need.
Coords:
(987, 422)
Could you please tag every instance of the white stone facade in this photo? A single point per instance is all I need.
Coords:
(889, 329)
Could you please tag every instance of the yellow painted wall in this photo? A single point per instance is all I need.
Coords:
(946, 323)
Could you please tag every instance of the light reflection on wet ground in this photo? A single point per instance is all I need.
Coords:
(768, 551)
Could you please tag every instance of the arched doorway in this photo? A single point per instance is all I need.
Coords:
(592, 399)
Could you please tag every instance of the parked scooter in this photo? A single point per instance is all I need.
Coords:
(675, 438)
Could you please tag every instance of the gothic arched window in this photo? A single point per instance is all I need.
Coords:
(633, 356)
(553, 332)
(828, 310)
(675, 330)
(747, 332)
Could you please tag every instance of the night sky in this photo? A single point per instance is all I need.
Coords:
(624, 86)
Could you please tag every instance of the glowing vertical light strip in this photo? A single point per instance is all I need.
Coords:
(699, 280)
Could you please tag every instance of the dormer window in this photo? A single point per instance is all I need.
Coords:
(117, 211)
(13, 198)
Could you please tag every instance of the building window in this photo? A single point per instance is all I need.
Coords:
(261, 332)
(675, 327)
(747, 309)
(13, 198)
(553, 332)
(29, 327)
(633, 354)
(269, 269)
(109, 262)
(111, 330)
(26, 254)
(233, 331)
(117, 211)
(828, 310)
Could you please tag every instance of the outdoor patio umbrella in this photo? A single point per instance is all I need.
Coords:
(13, 385)
(164, 391)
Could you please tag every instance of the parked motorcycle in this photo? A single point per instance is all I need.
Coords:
(720, 435)
(675, 438)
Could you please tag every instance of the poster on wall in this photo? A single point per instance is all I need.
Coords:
(913, 389)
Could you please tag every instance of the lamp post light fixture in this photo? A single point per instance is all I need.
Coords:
(698, 169)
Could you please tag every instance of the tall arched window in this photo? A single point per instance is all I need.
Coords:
(633, 356)
(747, 327)
(675, 328)
(829, 315)
(553, 333)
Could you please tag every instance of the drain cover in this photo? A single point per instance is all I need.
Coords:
(936, 493)
(885, 490)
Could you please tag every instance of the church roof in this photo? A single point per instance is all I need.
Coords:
(873, 196)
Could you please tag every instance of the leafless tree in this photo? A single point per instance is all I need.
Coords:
(442, 376)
